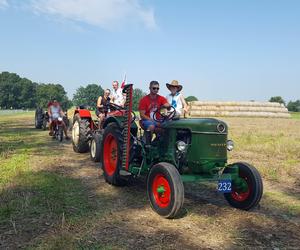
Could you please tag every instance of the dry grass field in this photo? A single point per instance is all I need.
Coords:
(53, 198)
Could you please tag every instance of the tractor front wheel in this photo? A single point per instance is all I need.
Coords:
(165, 189)
(251, 192)
(112, 155)
(95, 147)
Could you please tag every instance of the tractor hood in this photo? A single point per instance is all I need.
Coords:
(199, 125)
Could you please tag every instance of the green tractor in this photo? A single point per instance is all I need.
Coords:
(188, 150)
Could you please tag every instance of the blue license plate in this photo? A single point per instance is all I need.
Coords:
(224, 186)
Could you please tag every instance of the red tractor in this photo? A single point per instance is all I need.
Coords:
(86, 134)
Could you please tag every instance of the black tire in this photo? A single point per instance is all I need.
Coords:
(38, 119)
(245, 200)
(80, 134)
(111, 155)
(44, 125)
(169, 201)
(60, 133)
(95, 147)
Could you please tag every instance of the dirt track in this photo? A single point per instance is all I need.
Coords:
(121, 218)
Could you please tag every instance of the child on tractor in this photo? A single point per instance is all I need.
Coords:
(176, 99)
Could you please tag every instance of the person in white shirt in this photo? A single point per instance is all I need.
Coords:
(55, 111)
(176, 99)
(117, 95)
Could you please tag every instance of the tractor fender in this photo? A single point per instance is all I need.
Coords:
(112, 119)
(83, 113)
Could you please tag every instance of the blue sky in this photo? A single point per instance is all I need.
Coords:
(218, 49)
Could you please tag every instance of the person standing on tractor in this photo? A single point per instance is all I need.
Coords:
(102, 106)
(55, 111)
(117, 95)
(148, 105)
(176, 99)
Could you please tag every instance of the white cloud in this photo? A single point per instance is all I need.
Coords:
(3, 4)
(104, 13)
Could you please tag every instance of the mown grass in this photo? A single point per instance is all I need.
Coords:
(272, 145)
(295, 115)
(32, 198)
(44, 205)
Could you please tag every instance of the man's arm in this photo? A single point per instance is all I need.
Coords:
(165, 103)
(61, 112)
(185, 106)
(49, 111)
(143, 116)
(99, 102)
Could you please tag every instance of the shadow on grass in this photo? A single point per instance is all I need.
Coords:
(39, 202)
(273, 224)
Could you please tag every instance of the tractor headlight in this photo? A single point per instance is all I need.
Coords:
(181, 146)
(230, 145)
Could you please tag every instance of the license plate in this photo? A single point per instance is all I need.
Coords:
(224, 186)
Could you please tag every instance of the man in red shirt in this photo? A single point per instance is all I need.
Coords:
(149, 104)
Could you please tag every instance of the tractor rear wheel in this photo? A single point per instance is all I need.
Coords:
(44, 125)
(112, 155)
(80, 134)
(95, 147)
(165, 190)
(249, 198)
(38, 121)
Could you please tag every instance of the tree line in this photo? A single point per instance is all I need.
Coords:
(293, 106)
(22, 93)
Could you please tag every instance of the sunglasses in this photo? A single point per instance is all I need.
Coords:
(155, 88)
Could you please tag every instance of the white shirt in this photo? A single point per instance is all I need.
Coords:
(55, 111)
(118, 96)
(175, 101)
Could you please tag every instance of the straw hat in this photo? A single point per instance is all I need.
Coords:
(174, 83)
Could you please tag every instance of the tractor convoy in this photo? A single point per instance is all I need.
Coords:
(188, 150)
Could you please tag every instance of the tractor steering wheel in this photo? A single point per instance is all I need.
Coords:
(117, 107)
(163, 114)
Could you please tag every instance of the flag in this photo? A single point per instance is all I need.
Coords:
(124, 82)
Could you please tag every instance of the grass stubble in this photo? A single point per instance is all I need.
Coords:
(52, 198)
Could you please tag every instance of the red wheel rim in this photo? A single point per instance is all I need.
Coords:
(161, 191)
(110, 154)
(242, 196)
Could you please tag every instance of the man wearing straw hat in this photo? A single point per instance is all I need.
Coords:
(176, 99)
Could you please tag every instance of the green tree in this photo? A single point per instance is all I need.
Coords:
(87, 95)
(191, 98)
(16, 92)
(136, 97)
(278, 99)
(48, 92)
(294, 106)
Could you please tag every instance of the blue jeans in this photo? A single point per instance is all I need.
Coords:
(147, 123)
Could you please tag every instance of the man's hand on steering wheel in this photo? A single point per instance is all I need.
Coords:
(160, 115)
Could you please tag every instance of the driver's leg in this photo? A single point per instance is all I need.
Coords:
(65, 130)
(101, 119)
(50, 127)
(149, 126)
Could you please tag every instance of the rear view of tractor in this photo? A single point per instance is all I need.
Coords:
(41, 119)
(86, 134)
(188, 150)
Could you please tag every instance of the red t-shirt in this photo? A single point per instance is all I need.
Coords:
(151, 105)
